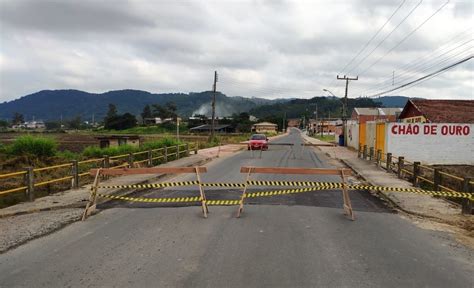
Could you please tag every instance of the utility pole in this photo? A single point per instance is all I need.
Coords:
(213, 105)
(284, 122)
(344, 105)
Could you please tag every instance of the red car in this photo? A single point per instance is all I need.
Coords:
(258, 142)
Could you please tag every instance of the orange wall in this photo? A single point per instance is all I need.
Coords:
(362, 134)
(380, 137)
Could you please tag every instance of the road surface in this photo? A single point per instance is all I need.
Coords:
(299, 240)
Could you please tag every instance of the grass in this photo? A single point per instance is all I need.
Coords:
(32, 147)
(326, 138)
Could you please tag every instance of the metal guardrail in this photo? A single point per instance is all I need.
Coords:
(148, 157)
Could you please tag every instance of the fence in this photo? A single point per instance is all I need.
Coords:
(420, 175)
(34, 182)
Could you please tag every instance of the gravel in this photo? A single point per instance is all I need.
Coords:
(19, 229)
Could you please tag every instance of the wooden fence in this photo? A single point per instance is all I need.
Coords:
(72, 175)
(421, 175)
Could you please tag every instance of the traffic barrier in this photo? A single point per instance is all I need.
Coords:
(347, 206)
(92, 204)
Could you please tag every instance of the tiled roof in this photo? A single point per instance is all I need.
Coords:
(446, 111)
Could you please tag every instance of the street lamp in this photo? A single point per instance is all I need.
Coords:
(326, 90)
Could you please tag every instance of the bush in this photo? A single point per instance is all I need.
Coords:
(33, 146)
(68, 155)
(94, 151)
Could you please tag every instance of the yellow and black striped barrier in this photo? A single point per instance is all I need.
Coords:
(307, 187)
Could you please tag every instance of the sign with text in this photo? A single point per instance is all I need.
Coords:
(432, 143)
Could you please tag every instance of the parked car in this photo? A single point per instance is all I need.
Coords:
(258, 142)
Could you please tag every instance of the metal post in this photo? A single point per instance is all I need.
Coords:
(400, 166)
(389, 162)
(150, 158)
(75, 174)
(467, 204)
(177, 152)
(365, 152)
(416, 173)
(30, 184)
(436, 180)
(166, 154)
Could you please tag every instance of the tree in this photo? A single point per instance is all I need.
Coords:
(120, 122)
(52, 125)
(112, 111)
(74, 123)
(17, 118)
(146, 113)
(3, 124)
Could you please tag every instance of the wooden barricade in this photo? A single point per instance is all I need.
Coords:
(347, 206)
(92, 204)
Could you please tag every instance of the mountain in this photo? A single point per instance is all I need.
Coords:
(54, 104)
(392, 101)
(325, 107)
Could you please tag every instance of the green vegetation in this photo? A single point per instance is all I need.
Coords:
(327, 138)
(167, 128)
(93, 151)
(32, 147)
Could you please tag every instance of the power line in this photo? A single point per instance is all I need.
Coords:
(420, 67)
(388, 35)
(406, 37)
(424, 77)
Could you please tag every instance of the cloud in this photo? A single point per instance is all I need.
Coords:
(268, 49)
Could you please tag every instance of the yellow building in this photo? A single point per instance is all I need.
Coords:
(264, 127)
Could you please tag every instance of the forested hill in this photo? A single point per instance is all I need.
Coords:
(326, 107)
(54, 104)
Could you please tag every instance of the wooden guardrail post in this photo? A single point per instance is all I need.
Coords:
(166, 154)
(106, 162)
(75, 174)
(389, 162)
(150, 158)
(467, 204)
(177, 151)
(416, 172)
(436, 179)
(400, 166)
(379, 157)
(359, 151)
(196, 146)
(364, 153)
(130, 160)
(371, 153)
(30, 184)
(187, 149)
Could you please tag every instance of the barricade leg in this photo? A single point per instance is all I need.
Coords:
(345, 196)
(92, 204)
(205, 210)
(242, 198)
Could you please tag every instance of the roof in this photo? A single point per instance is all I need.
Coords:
(375, 111)
(208, 127)
(265, 124)
(444, 111)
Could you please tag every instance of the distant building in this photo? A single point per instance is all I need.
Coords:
(362, 115)
(438, 111)
(206, 128)
(264, 127)
(324, 126)
(118, 140)
(30, 125)
(294, 122)
(253, 118)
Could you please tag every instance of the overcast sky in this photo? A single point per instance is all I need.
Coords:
(270, 49)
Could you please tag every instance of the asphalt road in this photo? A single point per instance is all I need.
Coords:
(300, 240)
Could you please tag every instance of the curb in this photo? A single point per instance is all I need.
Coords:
(82, 204)
(388, 198)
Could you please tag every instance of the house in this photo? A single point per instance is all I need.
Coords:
(118, 140)
(438, 111)
(362, 115)
(264, 127)
(206, 128)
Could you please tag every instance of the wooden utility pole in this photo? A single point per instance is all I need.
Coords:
(213, 105)
(344, 105)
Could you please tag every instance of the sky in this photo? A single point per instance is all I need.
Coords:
(271, 49)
